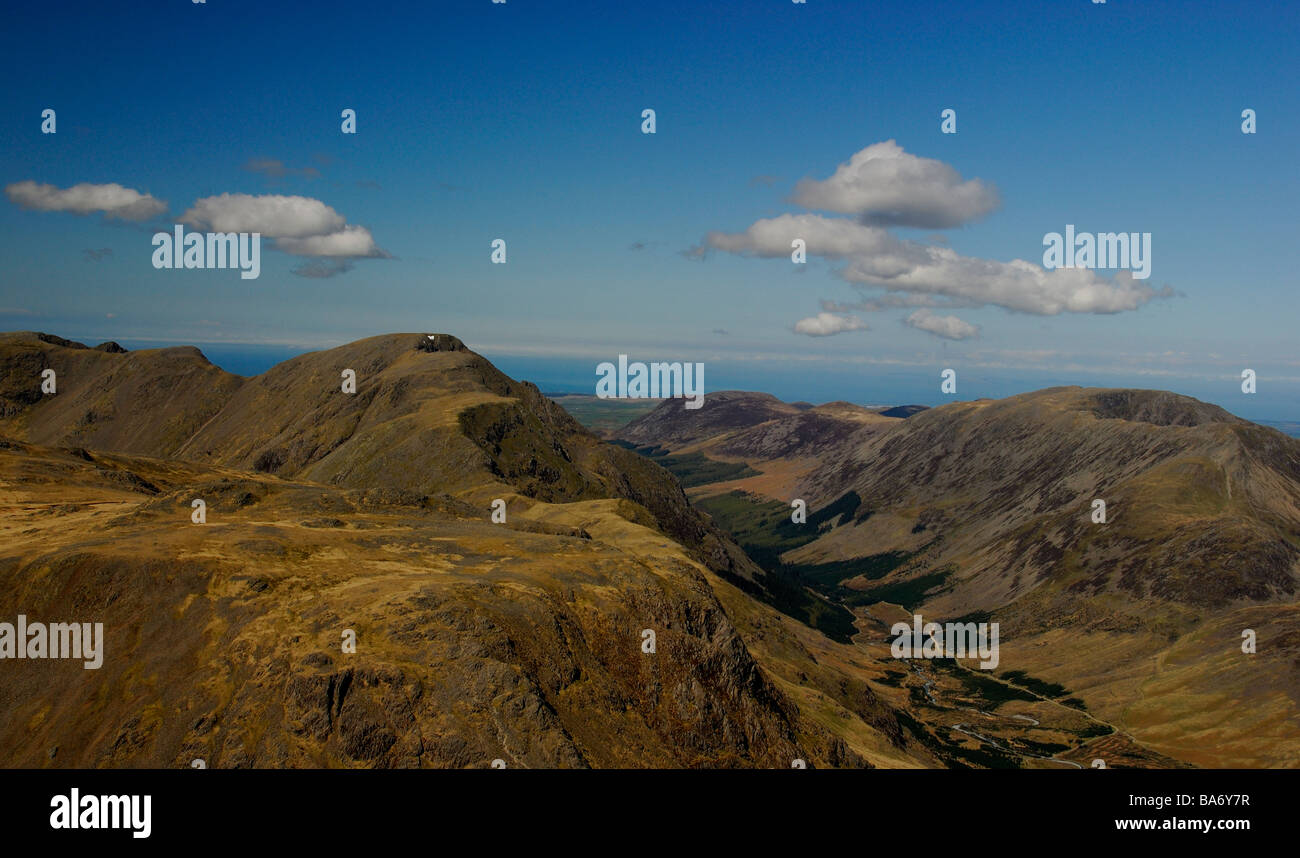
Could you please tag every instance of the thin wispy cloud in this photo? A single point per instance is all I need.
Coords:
(322, 268)
(112, 200)
(275, 169)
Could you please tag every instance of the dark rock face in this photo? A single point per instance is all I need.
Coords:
(440, 343)
(20, 382)
(60, 341)
(538, 447)
(1157, 407)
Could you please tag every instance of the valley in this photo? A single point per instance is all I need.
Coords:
(980, 511)
(332, 512)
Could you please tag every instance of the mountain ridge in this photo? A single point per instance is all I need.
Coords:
(372, 511)
(478, 638)
(989, 508)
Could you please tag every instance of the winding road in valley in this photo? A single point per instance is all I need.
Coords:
(927, 687)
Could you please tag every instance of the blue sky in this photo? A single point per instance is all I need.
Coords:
(522, 121)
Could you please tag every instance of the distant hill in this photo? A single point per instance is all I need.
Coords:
(149, 402)
(748, 431)
(673, 425)
(732, 414)
(903, 410)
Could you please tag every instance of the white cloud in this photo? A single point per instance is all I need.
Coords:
(85, 198)
(828, 324)
(352, 241)
(273, 215)
(834, 238)
(884, 185)
(301, 226)
(948, 327)
(1016, 285)
(877, 258)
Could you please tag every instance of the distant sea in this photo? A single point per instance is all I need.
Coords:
(237, 358)
(1276, 405)
(866, 385)
(1289, 427)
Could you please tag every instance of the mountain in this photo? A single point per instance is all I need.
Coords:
(902, 410)
(991, 504)
(674, 425)
(369, 513)
(1005, 481)
(428, 415)
(147, 402)
(797, 435)
(985, 510)
(768, 442)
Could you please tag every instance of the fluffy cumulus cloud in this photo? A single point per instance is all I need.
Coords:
(828, 324)
(881, 187)
(948, 327)
(302, 226)
(112, 200)
(272, 215)
(884, 185)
